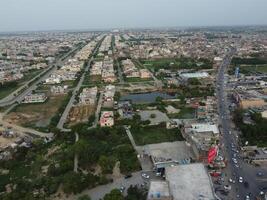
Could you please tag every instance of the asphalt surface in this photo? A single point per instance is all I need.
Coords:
(65, 114)
(15, 97)
(230, 144)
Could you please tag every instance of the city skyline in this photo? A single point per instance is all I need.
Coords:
(29, 15)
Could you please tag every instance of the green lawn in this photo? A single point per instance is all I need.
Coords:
(155, 134)
(255, 68)
(136, 79)
(185, 113)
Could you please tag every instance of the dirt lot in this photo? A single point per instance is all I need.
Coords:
(35, 115)
(80, 113)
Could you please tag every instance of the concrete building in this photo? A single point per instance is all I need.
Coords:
(189, 182)
(159, 190)
(88, 96)
(245, 100)
(169, 154)
(201, 136)
(108, 97)
(106, 119)
(35, 98)
(145, 73)
(194, 75)
(59, 89)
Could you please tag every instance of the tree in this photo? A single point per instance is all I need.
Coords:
(106, 163)
(114, 195)
(135, 193)
(84, 197)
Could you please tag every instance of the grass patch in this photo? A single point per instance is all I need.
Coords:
(155, 134)
(185, 113)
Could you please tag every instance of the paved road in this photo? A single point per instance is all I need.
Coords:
(229, 141)
(76, 156)
(11, 99)
(65, 114)
(100, 191)
(120, 73)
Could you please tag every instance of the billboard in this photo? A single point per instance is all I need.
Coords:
(212, 154)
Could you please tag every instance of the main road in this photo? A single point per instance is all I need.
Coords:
(230, 144)
(18, 95)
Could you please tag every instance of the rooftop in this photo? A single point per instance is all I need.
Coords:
(158, 189)
(189, 182)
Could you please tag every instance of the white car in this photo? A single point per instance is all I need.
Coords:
(231, 180)
(240, 180)
(227, 187)
(145, 176)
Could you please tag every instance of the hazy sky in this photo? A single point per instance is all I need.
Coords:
(17, 15)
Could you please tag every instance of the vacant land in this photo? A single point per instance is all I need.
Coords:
(36, 115)
(155, 134)
(80, 113)
(8, 88)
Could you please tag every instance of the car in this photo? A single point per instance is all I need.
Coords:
(240, 180)
(122, 189)
(145, 176)
(260, 174)
(158, 174)
(262, 193)
(231, 180)
(128, 176)
(237, 166)
(247, 197)
(227, 187)
(246, 184)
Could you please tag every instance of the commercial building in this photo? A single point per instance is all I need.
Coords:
(169, 154)
(159, 190)
(189, 182)
(245, 100)
(201, 136)
(194, 75)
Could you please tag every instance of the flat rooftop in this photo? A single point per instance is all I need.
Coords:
(169, 151)
(189, 182)
(158, 189)
(201, 127)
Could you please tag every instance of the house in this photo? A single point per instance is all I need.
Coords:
(145, 73)
(59, 89)
(106, 119)
(108, 97)
(88, 96)
(35, 98)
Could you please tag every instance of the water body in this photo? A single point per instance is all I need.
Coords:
(150, 97)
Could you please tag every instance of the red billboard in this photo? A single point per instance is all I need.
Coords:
(212, 154)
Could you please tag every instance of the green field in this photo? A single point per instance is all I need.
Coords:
(255, 68)
(155, 134)
(185, 113)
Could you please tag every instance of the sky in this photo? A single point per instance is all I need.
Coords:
(38, 15)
